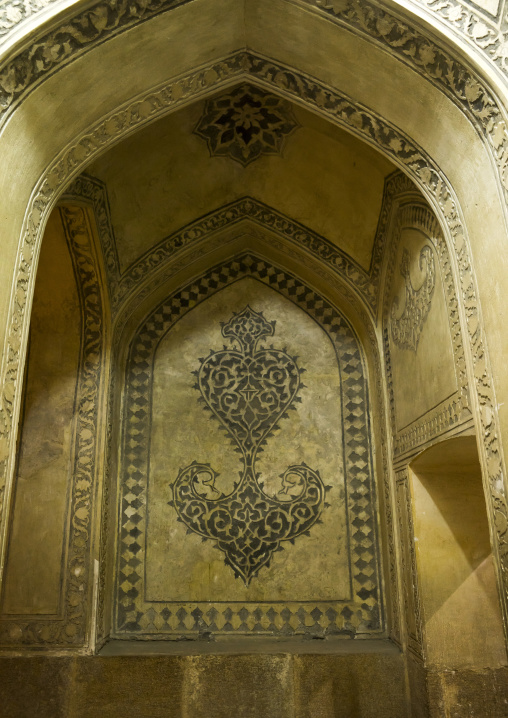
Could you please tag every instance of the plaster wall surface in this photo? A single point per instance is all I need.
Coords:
(181, 567)
(429, 366)
(36, 551)
(455, 561)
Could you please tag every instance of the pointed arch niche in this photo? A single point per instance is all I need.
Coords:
(48, 595)
(247, 490)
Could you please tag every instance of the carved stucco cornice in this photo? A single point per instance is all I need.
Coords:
(458, 22)
(336, 108)
(78, 34)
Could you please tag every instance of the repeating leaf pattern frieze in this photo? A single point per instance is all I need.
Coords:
(484, 31)
(15, 12)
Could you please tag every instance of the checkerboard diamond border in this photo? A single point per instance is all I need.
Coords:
(364, 613)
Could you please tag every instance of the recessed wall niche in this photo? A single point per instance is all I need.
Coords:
(247, 497)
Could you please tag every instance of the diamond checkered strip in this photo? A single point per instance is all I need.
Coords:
(135, 616)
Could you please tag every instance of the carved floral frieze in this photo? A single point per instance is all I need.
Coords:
(15, 12)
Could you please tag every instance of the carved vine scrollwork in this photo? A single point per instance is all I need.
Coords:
(14, 12)
(484, 33)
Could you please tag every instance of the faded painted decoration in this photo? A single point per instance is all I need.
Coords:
(407, 328)
(244, 510)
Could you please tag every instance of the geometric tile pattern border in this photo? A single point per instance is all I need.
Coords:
(364, 612)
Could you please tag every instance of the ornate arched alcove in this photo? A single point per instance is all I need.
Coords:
(403, 265)
(277, 535)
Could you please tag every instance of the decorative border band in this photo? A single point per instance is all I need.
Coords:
(364, 613)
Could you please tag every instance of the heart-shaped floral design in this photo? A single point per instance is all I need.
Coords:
(248, 391)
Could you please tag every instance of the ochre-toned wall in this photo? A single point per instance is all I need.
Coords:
(394, 73)
(36, 556)
(176, 576)
(463, 625)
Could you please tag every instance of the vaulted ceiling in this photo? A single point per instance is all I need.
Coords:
(242, 142)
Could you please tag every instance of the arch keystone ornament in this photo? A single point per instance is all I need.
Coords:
(248, 390)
